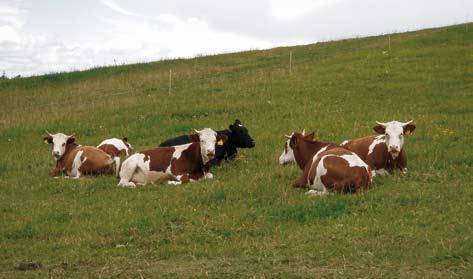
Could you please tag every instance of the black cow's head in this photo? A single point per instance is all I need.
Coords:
(240, 135)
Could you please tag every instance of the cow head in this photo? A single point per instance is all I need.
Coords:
(240, 135)
(127, 144)
(59, 142)
(207, 140)
(287, 155)
(394, 132)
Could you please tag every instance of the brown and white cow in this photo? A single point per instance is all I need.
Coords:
(174, 164)
(76, 160)
(384, 152)
(325, 166)
(116, 148)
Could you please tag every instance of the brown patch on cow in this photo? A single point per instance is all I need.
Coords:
(340, 176)
(379, 158)
(189, 163)
(112, 150)
(379, 129)
(98, 162)
(160, 158)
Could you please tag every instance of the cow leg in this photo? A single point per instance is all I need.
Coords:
(382, 172)
(127, 171)
(116, 162)
(76, 164)
(299, 183)
(314, 192)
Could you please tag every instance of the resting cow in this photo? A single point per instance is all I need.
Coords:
(174, 164)
(237, 137)
(325, 166)
(383, 152)
(76, 160)
(116, 148)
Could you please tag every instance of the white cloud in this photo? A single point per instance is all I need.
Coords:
(114, 6)
(293, 9)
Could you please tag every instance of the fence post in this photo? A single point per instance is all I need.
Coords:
(290, 61)
(170, 81)
(389, 42)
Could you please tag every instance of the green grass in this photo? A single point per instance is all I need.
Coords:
(248, 221)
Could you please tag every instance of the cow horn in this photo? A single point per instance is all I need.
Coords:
(288, 136)
(407, 123)
(197, 131)
(49, 134)
(381, 123)
(71, 135)
(303, 132)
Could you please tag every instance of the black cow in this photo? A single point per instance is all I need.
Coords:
(237, 137)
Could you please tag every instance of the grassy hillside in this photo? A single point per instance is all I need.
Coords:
(248, 221)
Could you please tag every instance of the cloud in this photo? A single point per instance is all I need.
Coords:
(114, 6)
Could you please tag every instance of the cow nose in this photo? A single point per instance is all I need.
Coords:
(210, 153)
(394, 148)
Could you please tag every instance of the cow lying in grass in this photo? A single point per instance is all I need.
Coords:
(325, 166)
(383, 152)
(237, 137)
(75, 160)
(174, 164)
(116, 148)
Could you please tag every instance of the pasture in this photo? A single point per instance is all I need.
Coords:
(248, 221)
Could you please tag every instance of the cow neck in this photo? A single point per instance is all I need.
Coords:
(305, 151)
(69, 148)
(197, 153)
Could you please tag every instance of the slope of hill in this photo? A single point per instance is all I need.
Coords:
(248, 220)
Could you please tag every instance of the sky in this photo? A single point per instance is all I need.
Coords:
(46, 36)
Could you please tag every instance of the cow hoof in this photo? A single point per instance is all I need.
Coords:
(404, 170)
(313, 193)
(174, 182)
(127, 184)
(208, 176)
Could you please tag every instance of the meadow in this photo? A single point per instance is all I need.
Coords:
(248, 221)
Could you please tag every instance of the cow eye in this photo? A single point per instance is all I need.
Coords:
(63, 144)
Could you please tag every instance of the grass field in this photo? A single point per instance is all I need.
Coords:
(248, 221)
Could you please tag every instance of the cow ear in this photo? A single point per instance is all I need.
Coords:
(221, 139)
(237, 121)
(70, 140)
(293, 141)
(409, 128)
(48, 139)
(125, 139)
(379, 129)
(194, 138)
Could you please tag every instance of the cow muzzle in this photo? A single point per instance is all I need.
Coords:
(56, 154)
(210, 154)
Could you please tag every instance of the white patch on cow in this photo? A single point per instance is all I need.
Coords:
(287, 155)
(118, 143)
(313, 193)
(134, 169)
(178, 149)
(404, 170)
(319, 172)
(320, 151)
(208, 176)
(377, 140)
(344, 142)
(76, 164)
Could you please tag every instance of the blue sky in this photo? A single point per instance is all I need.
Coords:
(43, 36)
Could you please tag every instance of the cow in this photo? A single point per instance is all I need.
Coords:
(237, 137)
(75, 160)
(385, 151)
(116, 148)
(173, 164)
(325, 166)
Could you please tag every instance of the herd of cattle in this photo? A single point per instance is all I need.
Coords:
(346, 167)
